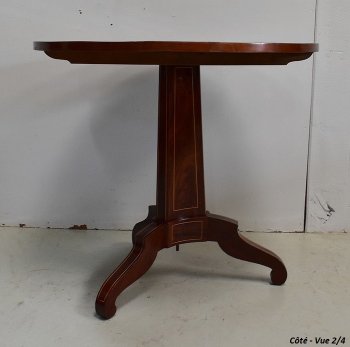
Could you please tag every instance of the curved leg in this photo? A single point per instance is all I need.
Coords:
(225, 232)
(146, 245)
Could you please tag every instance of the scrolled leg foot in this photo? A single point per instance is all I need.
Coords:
(278, 275)
(104, 311)
(225, 232)
(146, 245)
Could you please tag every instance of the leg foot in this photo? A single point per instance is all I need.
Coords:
(225, 232)
(147, 243)
(278, 276)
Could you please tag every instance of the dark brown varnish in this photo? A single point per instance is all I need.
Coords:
(176, 53)
(179, 215)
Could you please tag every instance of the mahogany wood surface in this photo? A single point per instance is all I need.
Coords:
(176, 53)
(179, 215)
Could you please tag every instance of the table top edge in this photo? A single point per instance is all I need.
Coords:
(177, 46)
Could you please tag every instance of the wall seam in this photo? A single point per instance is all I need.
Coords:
(312, 99)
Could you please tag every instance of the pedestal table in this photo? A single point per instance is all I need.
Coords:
(179, 215)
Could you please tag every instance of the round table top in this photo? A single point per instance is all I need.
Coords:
(176, 52)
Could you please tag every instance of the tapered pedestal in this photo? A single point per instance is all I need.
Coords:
(179, 215)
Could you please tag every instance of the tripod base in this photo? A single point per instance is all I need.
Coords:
(150, 236)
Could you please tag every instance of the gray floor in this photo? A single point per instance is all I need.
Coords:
(196, 297)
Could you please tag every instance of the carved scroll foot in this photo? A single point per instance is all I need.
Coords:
(225, 232)
(148, 241)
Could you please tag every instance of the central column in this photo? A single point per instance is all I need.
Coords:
(180, 177)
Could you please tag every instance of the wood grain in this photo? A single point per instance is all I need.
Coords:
(176, 53)
(179, 215)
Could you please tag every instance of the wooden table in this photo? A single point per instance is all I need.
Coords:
(179, 215)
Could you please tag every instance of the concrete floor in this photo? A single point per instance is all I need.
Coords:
(196, 297)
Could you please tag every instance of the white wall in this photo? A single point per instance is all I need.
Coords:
(329, 177)
(78, 142)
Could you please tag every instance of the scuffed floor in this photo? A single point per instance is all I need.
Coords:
(196, 297)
